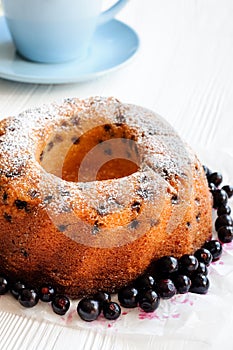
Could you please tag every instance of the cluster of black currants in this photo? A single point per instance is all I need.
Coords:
(224, 222)
(89, 308)
(169, 276)
(29, 297)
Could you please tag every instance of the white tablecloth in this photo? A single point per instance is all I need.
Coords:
(183, 71)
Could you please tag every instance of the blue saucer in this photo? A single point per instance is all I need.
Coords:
(114, 43)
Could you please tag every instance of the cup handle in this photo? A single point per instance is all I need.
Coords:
(111, 12)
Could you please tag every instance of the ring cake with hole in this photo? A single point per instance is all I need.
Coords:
(92, 191)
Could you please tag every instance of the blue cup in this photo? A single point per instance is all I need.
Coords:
(56, 30)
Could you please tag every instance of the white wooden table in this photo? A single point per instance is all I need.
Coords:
(183, 71)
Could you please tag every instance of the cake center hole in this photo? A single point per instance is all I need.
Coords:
(104, 152)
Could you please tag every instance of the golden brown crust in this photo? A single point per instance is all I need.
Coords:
(91, 235)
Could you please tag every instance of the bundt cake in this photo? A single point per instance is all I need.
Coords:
(92, 191)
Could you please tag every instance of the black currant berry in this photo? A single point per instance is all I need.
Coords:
(225, 234)
(145, 282)
(88, 309)
(166, 288)
(187, 264)
(203, 255)
(223, 220)
(182, 283)
(215, 248)
(224, 209)
(102, 297)
(17, 288)
(111, 310)
(149, 300)
(60, 304)
(46, 293)
(207, 171)
(199, 284)
(128, 297)
(229, 190)
(215, 178)
(4, 285)
(219, 198)
(201, 269)
(165, 266)
(28, 297)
